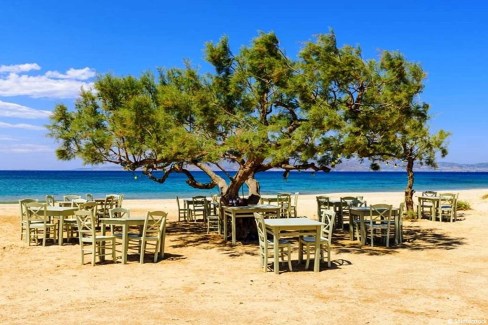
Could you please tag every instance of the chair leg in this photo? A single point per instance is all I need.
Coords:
(289, 258)
(307, 246)
(143, 249)
(114, 257)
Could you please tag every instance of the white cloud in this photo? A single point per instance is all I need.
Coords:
(25, 148)
(16, 68)
(76, 74)
(21, 126)
(52, 84)
(8, 138)
(16, 110)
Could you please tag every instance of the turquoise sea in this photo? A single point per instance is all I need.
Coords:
(15, 185)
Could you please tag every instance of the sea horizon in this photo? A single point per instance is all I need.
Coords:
(20, 184)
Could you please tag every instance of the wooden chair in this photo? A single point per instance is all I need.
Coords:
(307, 243)
(380, 222)
(213, 221)
(427, 208)
(284, 201)
(90, 241)
(183, 212)
(118, 213)
(347, 203)
(50, 200)
(23, 217)
(294, 205)
(323, 203)
(447, 206)
(266, 246)
(38, 223)
(199, 208)
(153, 234)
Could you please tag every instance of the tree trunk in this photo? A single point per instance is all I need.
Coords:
(409, 190)
(245, 227)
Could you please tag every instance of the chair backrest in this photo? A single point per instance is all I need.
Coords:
(50, 200)
(89, 197)
(90, 205)
(347, 202)
(36, 211)
(110, 203)
(429, 193)
(447, 199)
(23, 208)
(119, 213)
(328, 218)
(85, 220)
(71, 197)
(155, 224)
(323, 202)
(379, 212)
(178, 203)
(263, 241)
(284, 201)
(295, 199)
(199, 202)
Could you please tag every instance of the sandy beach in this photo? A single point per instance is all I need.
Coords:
(439, 275)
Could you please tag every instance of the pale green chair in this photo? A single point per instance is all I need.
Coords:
(153, 235)
(266, 247)
(38, 223)
(380, 223)
(91, 242)
(307, 243)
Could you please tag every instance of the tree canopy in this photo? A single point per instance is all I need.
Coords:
(258, 110)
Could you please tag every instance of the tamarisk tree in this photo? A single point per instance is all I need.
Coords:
(257, 110)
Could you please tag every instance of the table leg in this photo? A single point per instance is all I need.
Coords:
(276, 240)
(60, 230)
(363, 230)
(125, 236)
(233, 229)
(225, 225)
(317, 258)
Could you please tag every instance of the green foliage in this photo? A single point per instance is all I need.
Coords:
(258, 110)
(463, 205)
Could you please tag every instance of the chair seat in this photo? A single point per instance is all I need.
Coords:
(97, 238)
(41, 225)
(280, 242)
(311, 240)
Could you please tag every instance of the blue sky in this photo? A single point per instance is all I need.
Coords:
(50, 49)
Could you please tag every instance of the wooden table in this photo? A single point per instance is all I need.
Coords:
(361, 212)
(60, 213)
(125, 223)
(294, 227)
(245, 212)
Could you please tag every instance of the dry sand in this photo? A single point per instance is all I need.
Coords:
(439, 275)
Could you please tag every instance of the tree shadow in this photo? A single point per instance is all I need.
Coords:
(415, 238)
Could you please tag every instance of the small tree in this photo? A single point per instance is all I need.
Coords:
(390, 123)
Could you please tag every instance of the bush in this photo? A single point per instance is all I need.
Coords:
(484, 197)
(463, 205)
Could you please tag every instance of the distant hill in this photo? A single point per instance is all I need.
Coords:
(355, 165)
